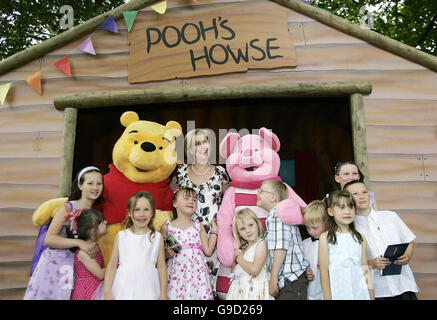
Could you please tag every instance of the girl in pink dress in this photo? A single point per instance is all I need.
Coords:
(189, 277)
(87, 225)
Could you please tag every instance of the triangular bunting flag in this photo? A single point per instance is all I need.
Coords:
(160, 7)
(87, 46)
(34, 81)
(4, 88)
(63, 64)
(129, 17)
(110, 25)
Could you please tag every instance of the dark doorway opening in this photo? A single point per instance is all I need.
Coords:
(314, 132)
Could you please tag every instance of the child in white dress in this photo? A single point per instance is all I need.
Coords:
(342, 253)
(250, 278)
(138, 252)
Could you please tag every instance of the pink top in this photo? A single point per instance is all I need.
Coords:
(85, 283)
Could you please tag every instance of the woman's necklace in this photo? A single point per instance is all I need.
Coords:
(200, 174)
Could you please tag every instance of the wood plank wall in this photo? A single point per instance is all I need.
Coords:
(401, 119)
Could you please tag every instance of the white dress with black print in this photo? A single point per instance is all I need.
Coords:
(209, 197)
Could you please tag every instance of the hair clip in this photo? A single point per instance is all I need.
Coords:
(71, 221)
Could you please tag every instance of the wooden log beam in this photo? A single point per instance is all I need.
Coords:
(358, 123)
(39, 50)
(166, 95)
(68, 140)
(372, 37)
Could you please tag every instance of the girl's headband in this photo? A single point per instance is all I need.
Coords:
(85, 170)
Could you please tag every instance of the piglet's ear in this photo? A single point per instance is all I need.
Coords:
(270, 138)
(228, 144)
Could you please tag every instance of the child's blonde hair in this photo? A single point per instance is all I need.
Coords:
(314, 213)
(245, 213)
(279, 188)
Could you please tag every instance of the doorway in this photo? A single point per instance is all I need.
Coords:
(315, 133)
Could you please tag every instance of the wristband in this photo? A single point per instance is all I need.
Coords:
(213, 232)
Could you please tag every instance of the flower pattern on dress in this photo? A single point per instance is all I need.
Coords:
(209, 197)
(189, 278)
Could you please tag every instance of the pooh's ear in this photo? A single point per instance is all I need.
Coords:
(128, 117)
(172, 129)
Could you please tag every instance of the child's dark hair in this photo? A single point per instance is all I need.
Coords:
(337, 168)
(131, 204)
(186, 192)
(88, 220)
(76, 193)
(335, 199)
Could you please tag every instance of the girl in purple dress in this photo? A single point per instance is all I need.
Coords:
(53, 276)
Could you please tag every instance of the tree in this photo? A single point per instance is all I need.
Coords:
(28, 22)
(411, 22)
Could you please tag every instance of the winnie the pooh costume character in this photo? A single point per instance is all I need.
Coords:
(143, 159)
(250, 160)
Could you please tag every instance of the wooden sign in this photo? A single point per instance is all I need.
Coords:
(208, 40)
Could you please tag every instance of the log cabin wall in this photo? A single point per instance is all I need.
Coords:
(401, 120)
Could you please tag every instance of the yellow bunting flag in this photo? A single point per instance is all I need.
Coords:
(34, 81)
(160, 7)
(4, 88)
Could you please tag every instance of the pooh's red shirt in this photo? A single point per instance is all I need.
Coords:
(118, 189)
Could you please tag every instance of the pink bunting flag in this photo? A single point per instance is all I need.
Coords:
(87, 46)
(63, 64)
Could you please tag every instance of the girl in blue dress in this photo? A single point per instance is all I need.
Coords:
(344, 272)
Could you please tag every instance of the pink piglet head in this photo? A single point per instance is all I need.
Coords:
(251, 157)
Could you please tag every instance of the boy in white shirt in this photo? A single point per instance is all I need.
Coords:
(381, 229)
(314, 217)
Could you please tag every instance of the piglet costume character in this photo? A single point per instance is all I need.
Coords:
(250, 160)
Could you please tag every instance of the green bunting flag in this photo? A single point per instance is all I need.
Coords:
(129, 17)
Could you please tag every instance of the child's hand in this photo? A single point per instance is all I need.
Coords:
(89, 248)
(273, 286)
(214, 225)
(380, 263)
(163, 297)
(109, 296)
(402, 260)
(238, 253)
(169, 253)
(310, 274)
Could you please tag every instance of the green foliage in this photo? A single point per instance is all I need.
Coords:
(28, 22)
(25, 23)
(413, 22)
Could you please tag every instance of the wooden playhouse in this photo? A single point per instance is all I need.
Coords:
(329, 89)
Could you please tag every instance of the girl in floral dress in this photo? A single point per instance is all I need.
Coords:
(209, 181)
(189, 275)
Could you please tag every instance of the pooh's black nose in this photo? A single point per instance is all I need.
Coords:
(148, 147)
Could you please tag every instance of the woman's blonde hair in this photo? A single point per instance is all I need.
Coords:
(190, 140)
(239, 216)
(132, 203)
